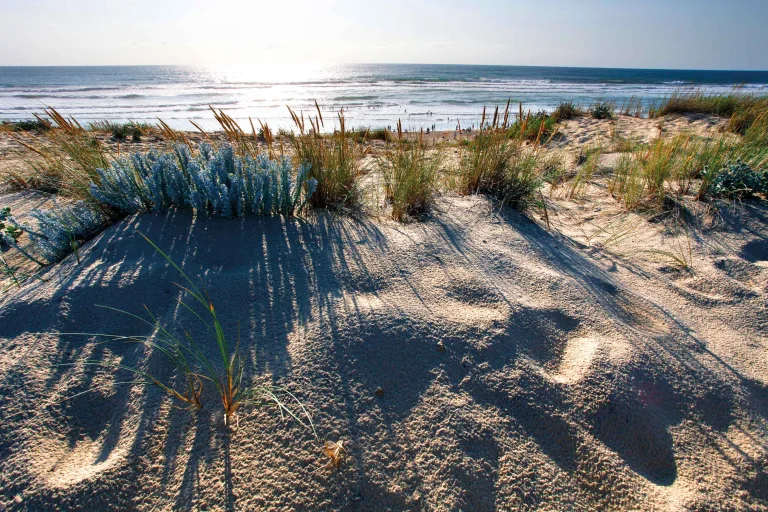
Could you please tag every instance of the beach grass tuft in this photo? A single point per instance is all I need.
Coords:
(334, 160)
(567, 110)
(498, 163)
(195, 362)
(63, 159)
(410, 172)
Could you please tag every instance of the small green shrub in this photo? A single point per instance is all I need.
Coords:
(738, 180)
(9, 233)
(602, 110)
(566, 110)
(28, 125)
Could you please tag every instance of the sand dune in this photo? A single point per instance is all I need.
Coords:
(517, 368)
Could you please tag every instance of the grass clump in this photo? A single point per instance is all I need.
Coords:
(27, 125)
(641, 177)
(585, 172)
(697, 102)
(63, 159)
(496, 162)
(602, 110)
(566, 110)
(122, 131)
(333, 161)
(534, 127)
(744, 110)
(363, 134)
(632, 107)
(410, 175)
(219, 363)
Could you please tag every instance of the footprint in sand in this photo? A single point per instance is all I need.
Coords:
(576, 360)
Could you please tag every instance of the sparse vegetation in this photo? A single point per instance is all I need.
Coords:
(585, 172)
(566, 110)
(334, 161)
(27, 125)
(63, 159)
(193, 362)
(679, 165)
(496, 162)
(680, 253)
(410, 173)
(122, 131)
(602, 110)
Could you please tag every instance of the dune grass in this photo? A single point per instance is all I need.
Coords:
(334, 160)
(363, 134)
(496, 162)
(504, 158)
(698, 102)
(122, 131)
(585, 172)
(632, 107)
(192, 361)
(567, 110)
(410, 173)
(674, 166)
(63, 159)
(534, 127)
(743, 110)
(26, 125)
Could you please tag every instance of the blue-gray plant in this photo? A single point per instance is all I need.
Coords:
(60, 230)
(212, 182)
(738, 180)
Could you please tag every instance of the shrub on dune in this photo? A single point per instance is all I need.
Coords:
(212, 182)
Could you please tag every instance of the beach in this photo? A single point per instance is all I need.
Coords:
(477, 358)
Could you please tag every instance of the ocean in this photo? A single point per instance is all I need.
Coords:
(372, 95)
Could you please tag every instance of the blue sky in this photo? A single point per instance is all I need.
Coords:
(698, 34)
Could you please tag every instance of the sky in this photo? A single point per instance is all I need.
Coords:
(680, 34)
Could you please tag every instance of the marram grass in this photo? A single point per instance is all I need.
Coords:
(225, 372)
(410, 172)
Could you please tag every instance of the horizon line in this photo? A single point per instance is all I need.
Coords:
(382, 64)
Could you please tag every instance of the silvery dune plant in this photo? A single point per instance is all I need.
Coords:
(57, 231)
(214, 182)
(62, 228)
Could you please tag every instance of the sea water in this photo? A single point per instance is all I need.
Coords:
(372, 95)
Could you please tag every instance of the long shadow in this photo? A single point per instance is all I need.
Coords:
(281, 272)
(270, 279)
(650, 452)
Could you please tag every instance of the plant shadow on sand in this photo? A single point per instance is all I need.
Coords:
(413, 345)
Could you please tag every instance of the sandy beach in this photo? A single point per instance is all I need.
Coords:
(480, 359)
